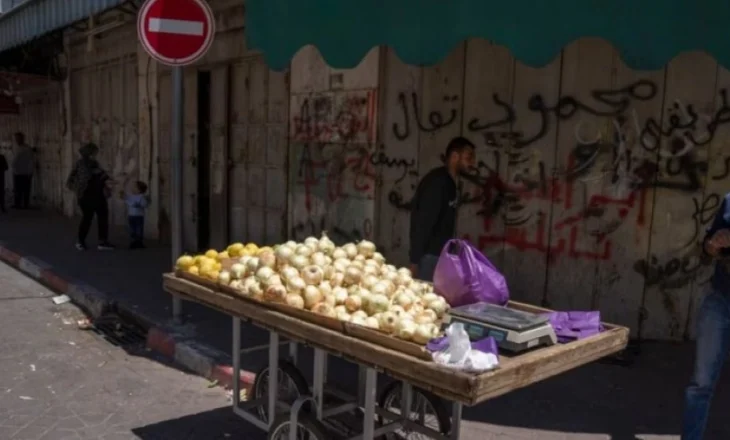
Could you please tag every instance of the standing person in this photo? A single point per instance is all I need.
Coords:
(91, 184)
(3, 169)
(713, 328)
(137, 202)
(23, 167)
(433, 209)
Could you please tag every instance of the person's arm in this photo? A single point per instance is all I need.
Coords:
(71, 180)
(717, 236)
(424, 217)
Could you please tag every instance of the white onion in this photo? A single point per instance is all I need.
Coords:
(312, 275)
(416, 287)
(351, 250)
(324, 309)
(406, 329)
(295, 301)
(439, 306)
(377, 256)
(283, 254)
(340, 295)
(325, 287)
(312, 242)
(370, 269)
(329, 299)
(388, 321)
(380, 288)
(339, 253)
(318, 259)
(424, 333)
(325, 245)
(304, 250)
(378, 303)
(341, 265)
(299, 261)
(273, 280)
(387, 268)
(353, 303)
(275, 294)
(359, 258)
(358, 264)
(340, 309)
(296, 284)
(352, 275)
(256, 291)
(288, 272)
(224, 277)
(264, 273)
(405, 271)
(429, 297)
(368, 281)
(328, 271)
(252, 265)
(267, 258)
(359, 320)
(372, 322)
(404, 300)
(366, 248)
(403, 279)
(244, 260)
(312, 296)
(360, 314)
(236, 284)
(238, 271)
(390, 276)
(426, 317)
(337, 279)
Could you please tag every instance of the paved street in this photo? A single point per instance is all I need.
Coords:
(59, 382)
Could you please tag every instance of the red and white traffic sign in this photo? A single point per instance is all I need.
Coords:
(176, 32)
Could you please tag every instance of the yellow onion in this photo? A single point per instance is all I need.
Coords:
(275, 294)
(312, 296)
(312, 275)
(294, 300)
(366, 248)
(324, 309)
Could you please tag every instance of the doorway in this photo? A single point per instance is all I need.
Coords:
(203, 217)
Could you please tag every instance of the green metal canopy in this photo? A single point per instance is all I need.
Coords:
(647, 33)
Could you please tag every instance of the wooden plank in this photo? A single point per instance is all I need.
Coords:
(690, 81)
(514, 373)
(527, 207)
(238, 174)
(219, 95)
(396, 160)
(576, 244)
(716, 187)
(488, 87)
(621, 280)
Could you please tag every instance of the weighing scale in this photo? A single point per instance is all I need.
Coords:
(514, 330)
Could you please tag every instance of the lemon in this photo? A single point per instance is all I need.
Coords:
(207, 266)
(223, 256)
(214, 275)
(184, 262)
(217, 266)
(264, 249)
(245, 252)
(199, 259)
(194, 270)
(211, 253)
(235, 249)
(252, 247)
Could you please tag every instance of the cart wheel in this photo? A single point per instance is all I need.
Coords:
(425, 407)
(307, 428)
(292, 385)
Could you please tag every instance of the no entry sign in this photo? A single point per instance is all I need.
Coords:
(176, 32)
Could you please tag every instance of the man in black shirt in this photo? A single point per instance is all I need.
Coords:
(433, 209)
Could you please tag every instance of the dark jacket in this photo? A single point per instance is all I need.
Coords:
(721, 277)
(3, 164)
(433, 214)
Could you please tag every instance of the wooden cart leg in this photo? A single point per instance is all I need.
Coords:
(371, 385)
(320, 360)
(456, 420)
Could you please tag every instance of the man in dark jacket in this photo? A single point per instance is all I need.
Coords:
(433, 209)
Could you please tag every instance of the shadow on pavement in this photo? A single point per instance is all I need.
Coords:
(217, 424)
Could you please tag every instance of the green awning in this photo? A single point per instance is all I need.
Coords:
(647, 33)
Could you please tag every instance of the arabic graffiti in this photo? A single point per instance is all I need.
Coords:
(675, 273)
(334, 117)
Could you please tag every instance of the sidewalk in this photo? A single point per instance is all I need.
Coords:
(598, 401)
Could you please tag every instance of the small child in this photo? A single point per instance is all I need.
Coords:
(137, 202)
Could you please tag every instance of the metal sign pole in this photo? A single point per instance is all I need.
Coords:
(176, 162)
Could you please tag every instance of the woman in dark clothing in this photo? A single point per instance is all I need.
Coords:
(91, 185)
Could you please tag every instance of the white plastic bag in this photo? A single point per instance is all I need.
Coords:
(459, 354)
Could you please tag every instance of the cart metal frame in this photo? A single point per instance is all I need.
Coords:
(366, 399)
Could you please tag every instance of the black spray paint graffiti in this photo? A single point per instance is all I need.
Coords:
(683, 121)
(676, 273)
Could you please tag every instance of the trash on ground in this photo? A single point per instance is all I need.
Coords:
(61, 299)
(25, 398)
(84, 324)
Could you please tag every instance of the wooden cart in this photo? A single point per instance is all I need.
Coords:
(421, 379)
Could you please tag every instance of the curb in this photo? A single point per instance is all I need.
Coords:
(170, 342)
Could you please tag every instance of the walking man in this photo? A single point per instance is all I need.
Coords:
(23, 167)
(433, 209)
(713, 328)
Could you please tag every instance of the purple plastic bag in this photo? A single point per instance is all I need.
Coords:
(468, 277)
(572, 326)
(486, 345)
